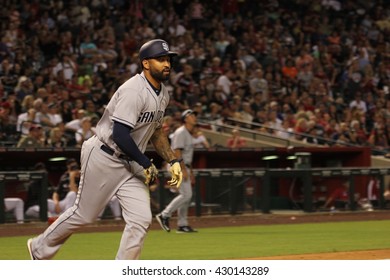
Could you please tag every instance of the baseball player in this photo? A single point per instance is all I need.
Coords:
(182, 144)
(113, 161)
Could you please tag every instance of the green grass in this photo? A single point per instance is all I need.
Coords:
(223, 242)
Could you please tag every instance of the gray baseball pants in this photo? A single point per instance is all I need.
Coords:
(180, 203)
(102, 176)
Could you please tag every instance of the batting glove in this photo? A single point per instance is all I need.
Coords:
(176, 175)
(151, 174)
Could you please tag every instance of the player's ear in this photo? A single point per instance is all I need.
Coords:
(145, 64)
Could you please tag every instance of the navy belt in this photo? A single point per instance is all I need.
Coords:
(111, 152)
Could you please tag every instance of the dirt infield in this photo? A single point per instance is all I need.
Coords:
(355, 255)
(34, 228)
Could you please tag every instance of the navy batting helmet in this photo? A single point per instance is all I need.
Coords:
(155, 48)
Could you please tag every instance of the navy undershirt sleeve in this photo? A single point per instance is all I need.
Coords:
(121, 136)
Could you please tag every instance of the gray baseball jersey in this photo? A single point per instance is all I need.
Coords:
(136, 105)
(183, 140)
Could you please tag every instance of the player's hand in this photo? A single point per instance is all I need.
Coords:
(151, 174)
(176, 175)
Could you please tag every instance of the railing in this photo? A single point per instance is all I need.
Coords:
(234, 178)
(216, 183)
(306, 177)
(233, 123)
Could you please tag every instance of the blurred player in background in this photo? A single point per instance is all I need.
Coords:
(182, 144)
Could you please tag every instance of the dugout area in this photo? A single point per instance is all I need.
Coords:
(228, 181)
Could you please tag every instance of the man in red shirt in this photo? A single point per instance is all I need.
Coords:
(339, 197)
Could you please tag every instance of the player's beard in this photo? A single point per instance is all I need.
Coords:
(160, 76)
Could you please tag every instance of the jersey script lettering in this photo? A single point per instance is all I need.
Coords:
(147, 117)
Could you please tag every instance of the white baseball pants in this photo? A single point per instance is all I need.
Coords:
(16, 205)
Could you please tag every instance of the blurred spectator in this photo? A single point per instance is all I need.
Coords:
(379, 141)
(256, 103)
(339, 198)
(26, 120)
(7, 120)
(75, 124)
(27, 102)
(87, 47)
(301, 127)
(260, 118)
(179, 99)
(77, 90)
(43, 115)
(196, 59)
(312, 136)
(199, 139)
(34, 139)
(24, 87)
(196, 15)
(289, 70)
(107, 50)
(90, 110)
(225, 83)
(274, 123)
(176, 28)
(54, 117)
(259, 85)
(66, 67)
(357, 102)
(214, 114)
(65, 111)
(84, 132)
(359, 131)
(286, 131)
(342, 135)
(235, 140)
(72, 47)
(186, 82)
(304, 62)
(56, 138)
(247, 113)
(198, 109)
(216, 67)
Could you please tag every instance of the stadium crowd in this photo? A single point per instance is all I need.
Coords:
(320, 68)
